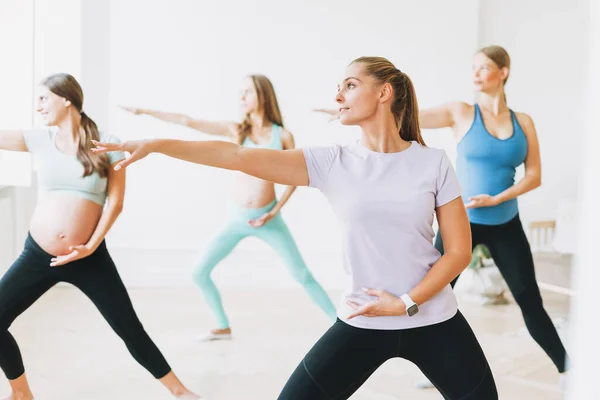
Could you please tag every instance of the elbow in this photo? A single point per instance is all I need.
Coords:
(463, 257)
(536, 181)
(116, 207)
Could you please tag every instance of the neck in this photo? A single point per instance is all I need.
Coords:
(259, 122)
(68, 129)
(380, 134)
(493, 102)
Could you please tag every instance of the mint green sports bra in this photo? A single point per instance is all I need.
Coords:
(60, 172)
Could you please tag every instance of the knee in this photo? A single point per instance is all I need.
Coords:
(201, 274)
(303, 275)
(529, 300)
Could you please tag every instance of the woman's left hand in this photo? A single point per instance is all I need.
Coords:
(262, 220)
(385, 304)
(137, 150)
(76, 253)
(481, 200)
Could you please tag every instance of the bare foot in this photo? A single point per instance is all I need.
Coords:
(18, 396)
(189, 396)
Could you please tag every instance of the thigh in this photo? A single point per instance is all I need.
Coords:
(278, 236)
(510, 250)
(449, 354)
(222, 244)
(97, 277)
(339, 363)
(24, 283)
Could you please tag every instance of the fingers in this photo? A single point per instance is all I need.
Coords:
(101, 147)
(126, 162)
(359, 311)
(62, 260)
(373, 292)
(471, 204)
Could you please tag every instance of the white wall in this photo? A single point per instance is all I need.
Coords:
(548, 44)
(190, 57)
(16, 47)
(586, 330)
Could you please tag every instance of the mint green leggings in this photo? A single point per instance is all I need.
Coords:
(277, 235)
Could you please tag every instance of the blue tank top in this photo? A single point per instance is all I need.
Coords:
(275, 142)
(487, 165)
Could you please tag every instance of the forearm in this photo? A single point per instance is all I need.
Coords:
(286, 196)
(527, 184)
(446, 269)
(108, 218)
(217, 154)
(175, 118)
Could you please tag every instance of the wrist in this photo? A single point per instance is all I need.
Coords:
(154, 145)
(496, 200)
(400, 307)
(276, 208)
(92, 246)
(410, 305)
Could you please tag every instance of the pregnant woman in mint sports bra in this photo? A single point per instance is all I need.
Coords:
(492, 142)
(254, 209)
(67, 230)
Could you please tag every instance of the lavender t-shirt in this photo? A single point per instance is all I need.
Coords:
(385, 203)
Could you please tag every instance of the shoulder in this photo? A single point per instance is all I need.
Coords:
(460, 108)
(429, 154)
(525, 121)
(37, 139)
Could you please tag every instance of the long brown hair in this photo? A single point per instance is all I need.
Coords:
(66, 86)
(404, 106)
(267, 101)
(500, 57)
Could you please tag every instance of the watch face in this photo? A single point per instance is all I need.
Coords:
(412, 310)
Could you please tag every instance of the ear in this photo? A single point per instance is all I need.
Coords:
(387, 92)
(67, 103)
(504, 71)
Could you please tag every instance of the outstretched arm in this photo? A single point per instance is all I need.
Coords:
(219, 128)
(12, 141)
(444, 116)
(286, 167)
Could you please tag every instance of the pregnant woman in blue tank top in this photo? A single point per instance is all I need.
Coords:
(492, 142)
(254, 209)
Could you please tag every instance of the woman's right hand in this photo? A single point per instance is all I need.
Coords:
(333, 114)
(137, 150)
(133, 110)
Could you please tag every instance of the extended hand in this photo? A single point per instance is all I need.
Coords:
(333, 114)
(133, 110)
(137, 150)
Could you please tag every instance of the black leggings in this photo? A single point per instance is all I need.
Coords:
(343, 359)
(510, 250)
(96, 276)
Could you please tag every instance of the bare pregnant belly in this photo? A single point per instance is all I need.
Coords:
(63, 220)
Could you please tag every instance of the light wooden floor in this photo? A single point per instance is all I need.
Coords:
(71, 354)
